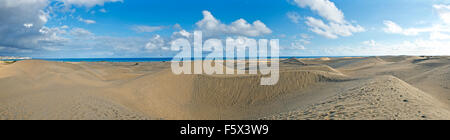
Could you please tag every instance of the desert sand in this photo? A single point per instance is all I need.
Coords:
(364, 88)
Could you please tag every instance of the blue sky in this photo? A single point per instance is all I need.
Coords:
(145, 28)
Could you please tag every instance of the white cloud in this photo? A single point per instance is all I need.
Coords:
(337, 25)
(444, 12)
(103, 10)
(394, 28)
(416, 47)
(17, 3)
(87, 3)
(436, 31)
(64, 27)
(439, 36)
(182, 33)
(124, 47)
(87, 21)
(52, 38)
(157, 42)
(332, 30)
(80, 32)
(294, 17)
(371, 43)
(56, 30)
(51, 48)
(79, 39)
(300, 44)
(324, 8)
(147, 29)
(213, 27)
(43, 16)
(28, 25)
(177, 26)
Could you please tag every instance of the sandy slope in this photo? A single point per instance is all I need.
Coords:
(399, 87)
(383, 97)
(52, 90)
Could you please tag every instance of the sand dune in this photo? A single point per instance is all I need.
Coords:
(358, 64)
(388, 87)
(208, 97)
(379, 98)
(400, 58)
(53, 90)
(293, 61)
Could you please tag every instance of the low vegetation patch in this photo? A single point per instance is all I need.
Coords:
(10, 62)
